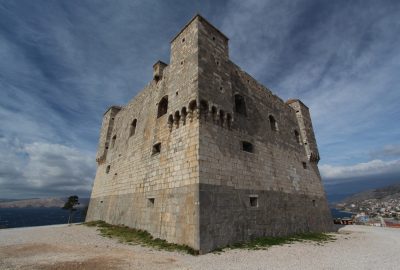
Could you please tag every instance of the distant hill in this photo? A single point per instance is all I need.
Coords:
(39, 202)
(381, 194)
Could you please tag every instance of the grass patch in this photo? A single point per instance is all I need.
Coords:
(265, 242)
(141, 237)
(137, 237)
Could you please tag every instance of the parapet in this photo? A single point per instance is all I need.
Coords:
(202, 19)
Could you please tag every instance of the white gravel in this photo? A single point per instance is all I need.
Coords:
(80, 247)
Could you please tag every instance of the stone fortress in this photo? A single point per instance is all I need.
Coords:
(206, 156)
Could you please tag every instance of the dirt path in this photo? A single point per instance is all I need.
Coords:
(79, 247)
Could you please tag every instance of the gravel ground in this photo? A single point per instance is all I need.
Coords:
(80, 247)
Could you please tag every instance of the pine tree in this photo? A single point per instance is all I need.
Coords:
(70, 205)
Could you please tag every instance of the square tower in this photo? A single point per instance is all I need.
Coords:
(206, 156)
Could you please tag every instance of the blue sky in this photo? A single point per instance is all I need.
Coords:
(62, 63)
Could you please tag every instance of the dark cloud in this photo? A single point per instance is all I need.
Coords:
(64, 62)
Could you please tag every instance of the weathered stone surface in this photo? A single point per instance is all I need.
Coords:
(207, 156)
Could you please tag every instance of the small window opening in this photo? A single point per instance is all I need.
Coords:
(240, 105)
(106, 145)
(247, 147)
(297, 136)
(114, 138)
(177, 118)
(150, 202)
(101, 201)
(108, 169)
(253, 201)
(133, 128)
(162, 107)
(304, 165)
(184, 115)
(213, 38)
(192, 105)
(170, 121)
(176, 93)
(181, 62)
(221, 117)
(273, 124)
(228, 120)
(183, 39)
(156, 148)
(214, 113)
(203, 107)
(314, 203)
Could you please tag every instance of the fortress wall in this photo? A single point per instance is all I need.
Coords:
(122, 196)
(155, 192)
(225, 172)
(289, 198)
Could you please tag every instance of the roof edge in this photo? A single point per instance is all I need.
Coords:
(112, 107)
(201, 18)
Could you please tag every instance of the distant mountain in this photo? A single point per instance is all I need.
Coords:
(380, 194)
(40, 202)
(337, 191)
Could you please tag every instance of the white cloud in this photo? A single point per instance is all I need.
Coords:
(58, 165)
(43, 169)
(373, 167)
(339, 59)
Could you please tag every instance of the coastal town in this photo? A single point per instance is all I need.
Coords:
(380, 207)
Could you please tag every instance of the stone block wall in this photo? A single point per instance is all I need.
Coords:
(223, 162)
(138, 187)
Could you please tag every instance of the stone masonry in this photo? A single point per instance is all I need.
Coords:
(206, 156)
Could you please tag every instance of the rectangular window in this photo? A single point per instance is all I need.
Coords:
(156, 149)
(150, 202)
(304, 165)
(253, 201)
(247, 147)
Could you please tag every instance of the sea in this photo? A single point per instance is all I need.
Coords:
(27, 217)
(340, 214)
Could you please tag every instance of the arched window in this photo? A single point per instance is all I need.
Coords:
(108, 169)
(273, 124)
(162, 107)
(132, 128)
(114, 138)
(240, 104)
(297, 136)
